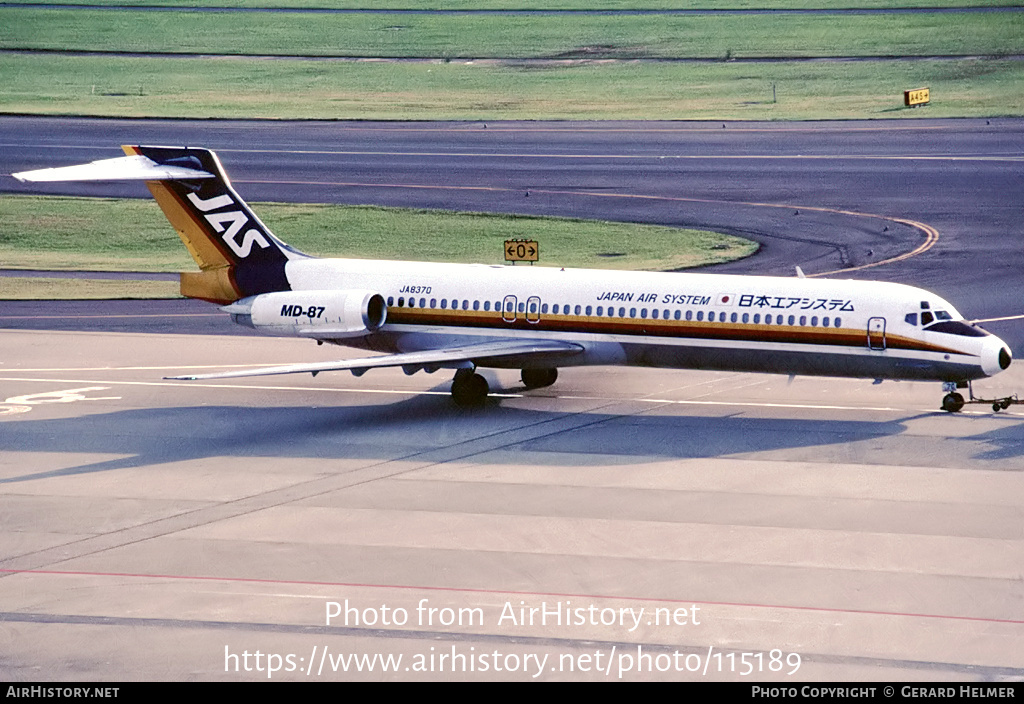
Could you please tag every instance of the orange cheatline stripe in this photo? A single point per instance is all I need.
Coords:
(672, 329)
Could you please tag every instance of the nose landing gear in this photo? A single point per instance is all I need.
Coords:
(953, 402)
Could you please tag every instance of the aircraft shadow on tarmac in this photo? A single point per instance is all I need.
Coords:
(414, 428)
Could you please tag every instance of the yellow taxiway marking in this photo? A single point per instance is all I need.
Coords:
(931, 235)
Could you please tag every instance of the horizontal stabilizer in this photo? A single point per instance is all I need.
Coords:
(430, 360)
(125, 168)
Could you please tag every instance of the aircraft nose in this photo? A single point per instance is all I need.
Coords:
(996, 356)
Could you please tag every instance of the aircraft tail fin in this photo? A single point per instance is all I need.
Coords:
(237, 254)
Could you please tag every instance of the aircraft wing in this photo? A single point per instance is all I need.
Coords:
(510, 353)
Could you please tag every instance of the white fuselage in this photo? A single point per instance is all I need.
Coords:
(682, 320)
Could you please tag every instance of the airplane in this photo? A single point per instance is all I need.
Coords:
(463, 317)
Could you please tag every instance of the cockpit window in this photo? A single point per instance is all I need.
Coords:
(957, 327)
(927, 318)
(942, 315)
(911, 319)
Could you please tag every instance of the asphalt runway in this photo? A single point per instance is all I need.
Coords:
(623, 524)
(825, 196)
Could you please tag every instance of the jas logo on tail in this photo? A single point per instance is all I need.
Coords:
(230, 224)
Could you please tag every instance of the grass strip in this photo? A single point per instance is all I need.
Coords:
(301, 89)
(15, 288)
(541, 5)
(96, 234)
(514, 36)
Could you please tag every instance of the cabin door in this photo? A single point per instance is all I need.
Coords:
(533, 309)
(876, 333)
(508, 309)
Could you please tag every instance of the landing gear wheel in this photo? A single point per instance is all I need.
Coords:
(469, 390)
(536, 378)
(952, 403)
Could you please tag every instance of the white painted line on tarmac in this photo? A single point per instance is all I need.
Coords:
(428, 392)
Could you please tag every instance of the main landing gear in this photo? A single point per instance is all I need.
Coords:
(469, 389)
(953, 402)
(537, 378)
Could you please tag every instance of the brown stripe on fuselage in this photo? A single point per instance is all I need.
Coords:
(494, 322)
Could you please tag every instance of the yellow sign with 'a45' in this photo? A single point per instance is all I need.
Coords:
(918, 96)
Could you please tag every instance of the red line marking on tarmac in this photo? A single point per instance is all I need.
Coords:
(465, 590)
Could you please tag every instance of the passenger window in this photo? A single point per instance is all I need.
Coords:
(792, 320)
(757, 318)
(803, 320)
(643, 313)
(632, 312)
(700, 316)
(444, 303)
(622, 312)
(487, 305)
(654, 313)
(433, 303)
(839, 322)
(814, 321)
(476, 305)
(732, 318)
(600, 310)
(676, 315)
(711, 317)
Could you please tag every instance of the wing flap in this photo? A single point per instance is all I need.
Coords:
(509, 353)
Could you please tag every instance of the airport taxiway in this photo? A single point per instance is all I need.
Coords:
(165, 526)
(834, 529)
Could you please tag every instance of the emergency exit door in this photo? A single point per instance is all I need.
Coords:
(876, 333)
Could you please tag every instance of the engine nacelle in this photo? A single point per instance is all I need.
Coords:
(320, 314)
